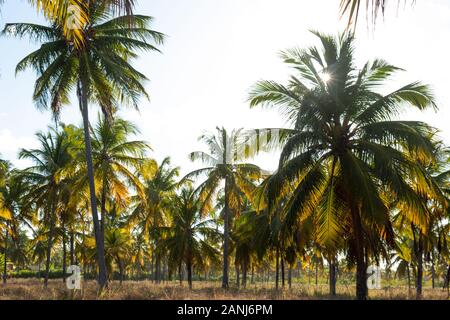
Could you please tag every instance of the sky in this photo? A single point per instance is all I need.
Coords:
(214, 52)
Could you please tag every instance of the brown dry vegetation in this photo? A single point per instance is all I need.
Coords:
(146, 290)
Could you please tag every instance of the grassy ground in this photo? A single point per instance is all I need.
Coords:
(146, 290)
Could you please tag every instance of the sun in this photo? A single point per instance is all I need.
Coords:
(326, 77)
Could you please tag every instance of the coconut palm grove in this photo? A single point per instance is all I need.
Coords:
(357, 206)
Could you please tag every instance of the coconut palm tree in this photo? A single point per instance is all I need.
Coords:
(100, 71)
(48, 177)
(116, 159)
(14, 213)
(225, 164)
(345, 149)
(186, 238)
(152, 206)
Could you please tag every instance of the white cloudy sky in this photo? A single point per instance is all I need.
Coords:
(215, 50)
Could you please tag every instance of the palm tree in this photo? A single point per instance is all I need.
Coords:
(152, 206)
(345, 149)
(116, 159)
(13, 211)
(48, 178)
(186, 238)
(118, 244)
(100, 71)
(225, 165)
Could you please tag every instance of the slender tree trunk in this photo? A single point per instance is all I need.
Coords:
(103, 212)
(72, 248)
(316, 263)
(5, 256)
(332, 275)
(277, 273)
(103, 278)
(283, 278)
(64, 257)
(299, 266)
(409, 278)
(253, 274)
(433, 272)
(180, 275)
(225, 283)
(49, 246)
(189, 273)
(419, 279)
(121, 271)
(244, 275)
(290, 277)
(238, 275)
(361, 266)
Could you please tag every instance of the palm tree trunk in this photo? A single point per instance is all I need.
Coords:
(419, 279)
(5, 256)
(433, 272)
(180, 275)
(189, 273)
(103, 212)
(253, 274)
(120, 270)
(282, 273)
(409, 278)
(244, 274)
(361, 266)
(49, 246)
(332, 274)
(225, 282)
(64, 257)
(290, 277)
(102, 279)
(317, 272)
(72, 248)
(277, 266)
(238, 278)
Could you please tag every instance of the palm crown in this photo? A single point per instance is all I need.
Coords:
(345, 145)
(103, 64)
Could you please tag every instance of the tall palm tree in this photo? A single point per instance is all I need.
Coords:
(100, 71)
(186, 238)
(152, 206)
(48, 177)
(225, 164)
(14, 213)
(345, 149)
(116, 159)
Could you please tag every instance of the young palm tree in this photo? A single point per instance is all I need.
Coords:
(152, 206)
(225, 165)
(100, 71)
(116, 159)
(13, 211)
(48, 178)
(186, 236)
(345, 149)
(118, 244)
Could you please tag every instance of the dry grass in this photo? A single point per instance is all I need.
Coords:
(146, 290)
